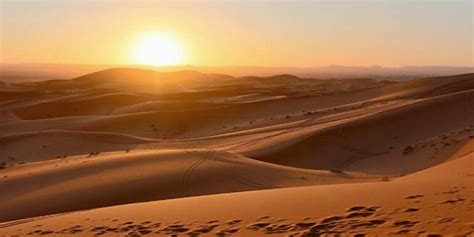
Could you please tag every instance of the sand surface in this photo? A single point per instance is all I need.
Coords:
(137, 152)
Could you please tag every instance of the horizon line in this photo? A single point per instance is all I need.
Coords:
(235, 66)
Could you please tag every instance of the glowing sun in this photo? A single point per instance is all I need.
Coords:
(158, 49)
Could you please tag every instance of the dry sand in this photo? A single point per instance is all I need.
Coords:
(136, 152)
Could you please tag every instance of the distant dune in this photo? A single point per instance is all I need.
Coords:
(35, 72)
(129, 151)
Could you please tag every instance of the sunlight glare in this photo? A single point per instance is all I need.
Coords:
(158, 49)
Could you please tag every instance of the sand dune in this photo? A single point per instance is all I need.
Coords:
(126, 136)
(94, 106)
(378, 143)
(53, 144)
(434, 201)
(168, 106)
(8, 87)
(430, 86)
(126, 177)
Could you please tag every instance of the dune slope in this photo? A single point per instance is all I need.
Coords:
(434, 201)
(397, 141)
(125, 177)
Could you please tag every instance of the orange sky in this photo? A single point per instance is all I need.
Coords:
(298, 33)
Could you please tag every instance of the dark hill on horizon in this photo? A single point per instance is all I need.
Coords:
(36, 72)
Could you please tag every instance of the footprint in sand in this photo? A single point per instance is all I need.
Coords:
(332, 219)
(405, 223)
(403, 232)
(127, 223)
(203, 229)
(356, 208)
(368, 223)
(454, 201)
(304, 225)
(361, 211)
(445, 220)
(359, 214)
(73, 229)
(452, 191)
(414, 196)
(412, 210)
(258, 226)
(227, 231)
(262, 218)
(41, 232)
(278, 228)
(234, 222)
(174, 229)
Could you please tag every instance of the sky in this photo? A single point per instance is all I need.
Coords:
(241, 33)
